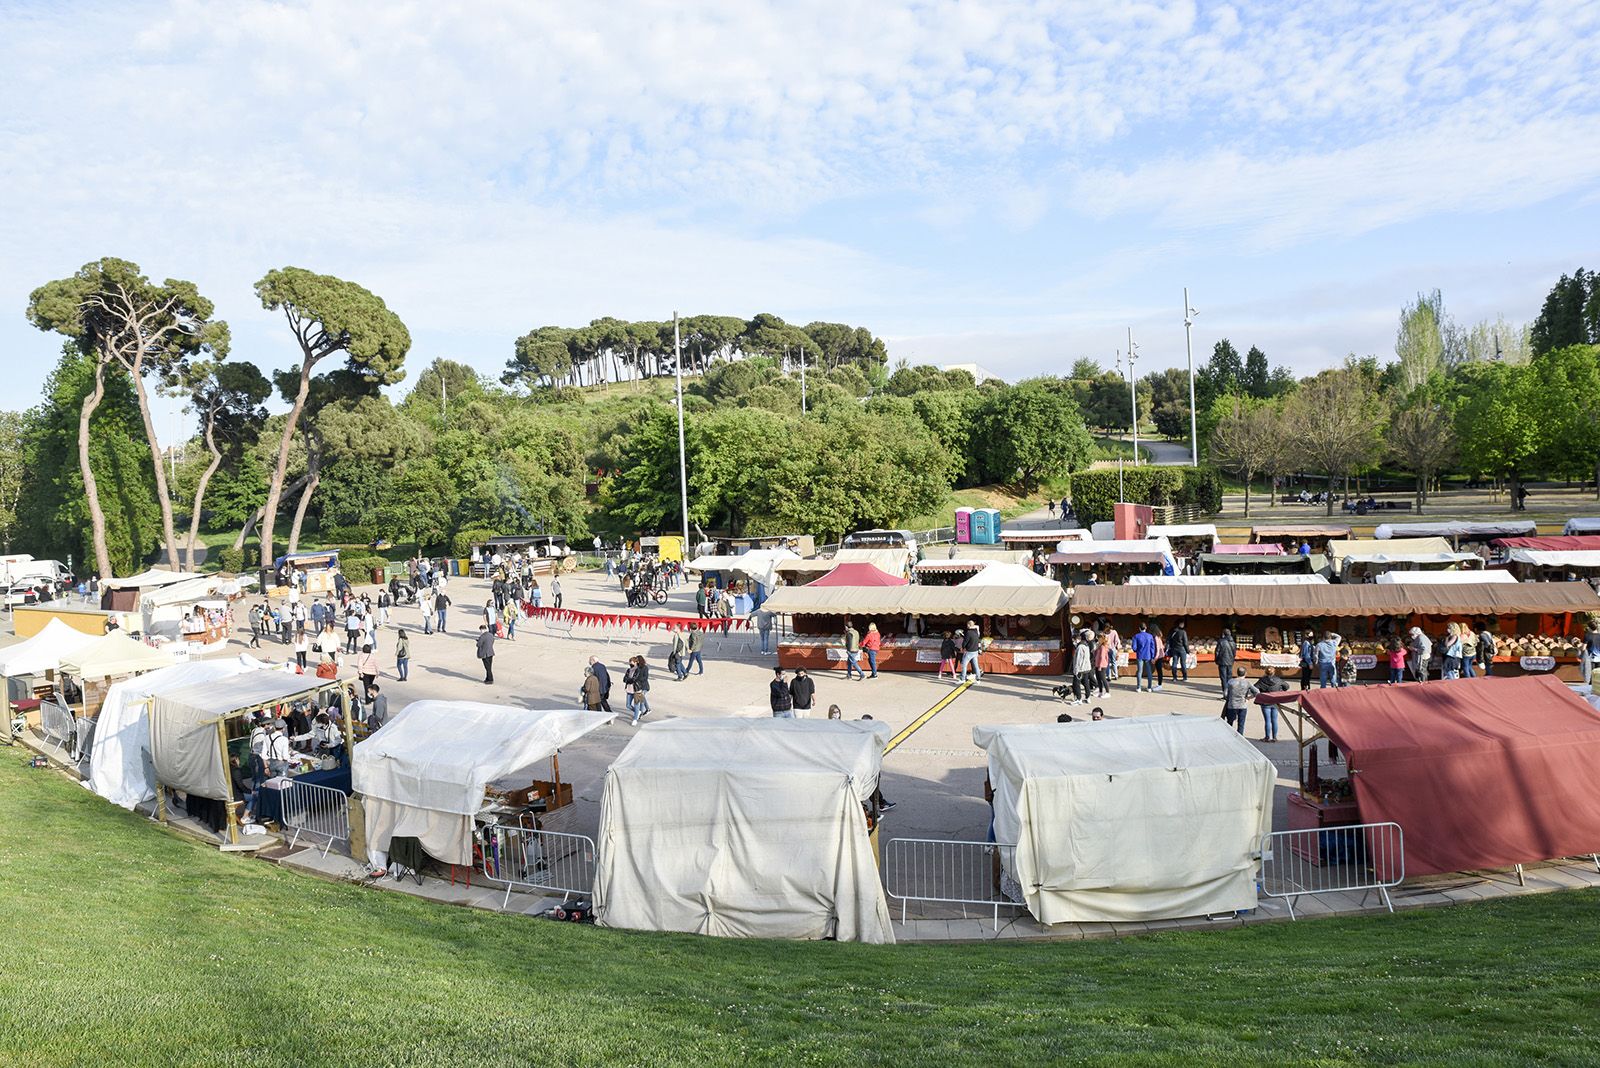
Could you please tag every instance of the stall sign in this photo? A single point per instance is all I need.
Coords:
(1538, 663)
(1031, 659)
(928, 656)
(1280, 660)
(1190, 661)
(1363, 661)
(835, 654)
(1122, 660)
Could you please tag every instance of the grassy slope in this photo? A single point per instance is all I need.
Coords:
(121, 944)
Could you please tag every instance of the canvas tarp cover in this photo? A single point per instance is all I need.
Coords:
(154, 577)
(1182, 530)
(1267, 561)
(745, 828)
(1505, 529)
(1538, 558)
(758, 565)
(1156, 817)
(1338, 601)
(892, 561)
(917, 600)
(114, 654)
(1554, 543)
(1009, 575)
(1444, 578)
(1580, 525)
(1226, 580)
(183, 734)
(857, 575)
(1302, 532)
(1479, 773)
(1357, 548)
(1052, 534)
(1262, 548)
(44, 651)
(121, 770)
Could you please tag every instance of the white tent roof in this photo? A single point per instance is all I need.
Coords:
(44, 651)
(1227, 580)
(1508, 528)
(1008, 575)
(120, 769)
(890, 561)
(1156, 817)
(1051, 534)
(155, 576)
(1182, 530)
(761, 565)
(114, 654)
(1437, 578)
(192, 590)
(744, 827)
(1578, 525)
(1557, 558)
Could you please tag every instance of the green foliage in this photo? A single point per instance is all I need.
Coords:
(1169, 402)
(331, 315)
(358, 567)
(1571, 314)
(1032, 433)
(1095, 493)
(362, 534)
(419, 504)
(1501, 418)
(463, 541)
(231, 559)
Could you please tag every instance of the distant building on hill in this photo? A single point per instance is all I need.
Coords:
(979, 374)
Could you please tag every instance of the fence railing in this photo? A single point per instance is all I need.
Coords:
(56, 724)
(524, 859)
(1364, 856)
(938, 871)
(82, 744)
(316, 810)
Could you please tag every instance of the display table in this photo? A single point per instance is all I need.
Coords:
(1003, 656)
(1307, 814)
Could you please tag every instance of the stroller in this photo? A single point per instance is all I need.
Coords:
(402, 592)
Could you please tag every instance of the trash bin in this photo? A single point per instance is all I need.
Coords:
(455, 567)
(377, 576)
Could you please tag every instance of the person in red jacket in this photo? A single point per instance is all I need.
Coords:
(871, 642)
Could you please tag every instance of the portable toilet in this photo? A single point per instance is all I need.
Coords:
(963, 526)
(985, 526)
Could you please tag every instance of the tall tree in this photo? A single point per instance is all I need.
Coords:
(327, 315)
(1501, 417)
(1085, 369)
(1245, 440)
(1256, 377)
(1570, 425)
(1419, 342)
(1422, 440)
(112, 310)
(1032, 432)
(1571, 314)
(13, 472)
(1338, 422)
(227, 399)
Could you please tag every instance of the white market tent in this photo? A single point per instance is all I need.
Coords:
(1406, 553)
(745, 828)
(758, 565)
(121, 770)
(153, 578)
(1570, 558)
(1508, 528)
(1183, 530)
(114, 654)
(1227, 580)
(423, 773)
(1047, 535)
(44, 651)
(1008, 575)
(1439, 578)
(1157, 817)
(1578, 525)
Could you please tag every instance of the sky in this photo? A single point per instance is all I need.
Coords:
(1008, 183)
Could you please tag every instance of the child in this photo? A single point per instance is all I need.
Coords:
(1397, 660)
(947, 656)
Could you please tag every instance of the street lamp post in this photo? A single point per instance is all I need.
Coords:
(1133, 393)
(683, 463)
(1188, 344)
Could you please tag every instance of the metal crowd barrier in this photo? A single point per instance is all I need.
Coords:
(1363, 856)
(56, 724)
(937, 870)
(525, 859)
(82, 744)
(320, 810)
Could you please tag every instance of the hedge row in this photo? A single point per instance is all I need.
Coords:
(1096, 493)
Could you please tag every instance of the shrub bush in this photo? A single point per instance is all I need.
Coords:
(357, 534)
(1095, 493)
(232, 559)
(461, 545)
(357, 567)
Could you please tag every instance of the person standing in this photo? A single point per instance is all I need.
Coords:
(536, 595)
(1327, 660)
(971, 650)
(302, 646)
(764, 628)
(1102, 663)
(1143, 644)
(589, 692)
(1469, 651)
(697, 645)
(425, 603)
(440, 603)
(1452, 652)
(678, 659)
(803, 690)
(1178, 651)
(852, 652)
(1115, 638)
(402, 654)
(782, 700)
(1397, 660)
(1226, 652)
(947, 656)
(637, 680)
(377, 708)
(1308, 659)
(1591, 649)
(1236, 702)
(702, 598)
(871, 643)
(485, 651)
(385, 601)
(601, 673)
(1082, 667)
(1487, 647)
(1271, 682)
(367, 666)
(555, 591)
(1421, 652)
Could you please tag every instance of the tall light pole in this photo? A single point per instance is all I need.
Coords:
(1133, 393)
(802, 380)
(1188, 344)
(683, 463)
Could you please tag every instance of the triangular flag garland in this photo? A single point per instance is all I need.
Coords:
(634, 622)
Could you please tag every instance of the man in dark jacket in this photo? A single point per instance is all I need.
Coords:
(1178, 651)
(485, 652)
(782, 699)
(803, 690)
(604, 678)
(1225, 656)
(971, 647)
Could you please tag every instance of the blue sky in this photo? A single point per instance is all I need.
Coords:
(1011, 183)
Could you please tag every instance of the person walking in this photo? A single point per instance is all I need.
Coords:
(352, 629)
(1226, 652)
(1144, 653)
(971, 650)
(803, 690)
(604, 675)
(425, 603)
(302, 646)
(678, 658)
(402, 655)
(780, 696)
(1178, 651)
(852, 652)
(1271, 682)
(637, 681)
(440, 602)
(1082, 667)
(367, 666)
(1420, 652)
(764, 628)
(385, 602)
(589, 692)
(697, 645)
(702, 598)
(1102, 664)
(1308, 659)
(871, 642)
(947, 656)
(1050, 507)
(555, 591)
(1236, 702)
(485, 652)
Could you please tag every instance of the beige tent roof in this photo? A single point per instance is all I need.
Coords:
(890, 561)
(114, 654)
(154, 577)
(1008, 575)
(918, 600)
(1340, 548)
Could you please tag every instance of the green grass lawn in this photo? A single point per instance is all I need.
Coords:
(126, 945)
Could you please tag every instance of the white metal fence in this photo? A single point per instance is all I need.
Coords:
(56, 724)
(938, 871)
(316, 810)
(524, 859)
(82, 743)
(1363, 856)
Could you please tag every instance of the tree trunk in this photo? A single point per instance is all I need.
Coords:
(200, 489)
(1422, 492)
(269, 512)
(163, 494)
(255, 516)
(1330, 495)
(1515, 482)
(1272, 502)
(1247, 496)
(91, 489)
(1597, 480)
(313, 477)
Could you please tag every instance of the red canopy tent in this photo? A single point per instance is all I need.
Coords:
(1560, 543)
(859, 574)
(1479, 773)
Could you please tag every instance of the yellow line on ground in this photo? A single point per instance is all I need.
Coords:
(916, 724)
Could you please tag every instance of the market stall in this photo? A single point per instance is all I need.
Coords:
(758, 566)
(1264, 564)
(964, 561)
(195, 729)
(1292, 536)
(1111, 562)
(1227, 580)
(753, 828)
(95, 666)
(1156, 817)
(1474, 577)
(1582, 526)
(1009, 575)
(1458, 533)
(1186, 539)
(198, 611)
(1554, 559)
(124, 594)
(1479, 773)
(857, 575)
(1264, 548)
(33, 665)
(1539, 626)
(1050, 536)
(1364, 559)
(1022, 626)
(431, 772)
(320, 570)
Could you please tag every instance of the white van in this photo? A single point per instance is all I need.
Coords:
(882, 539)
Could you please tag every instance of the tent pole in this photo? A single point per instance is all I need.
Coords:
(555, 771)
(227, 785)
(349, 735)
